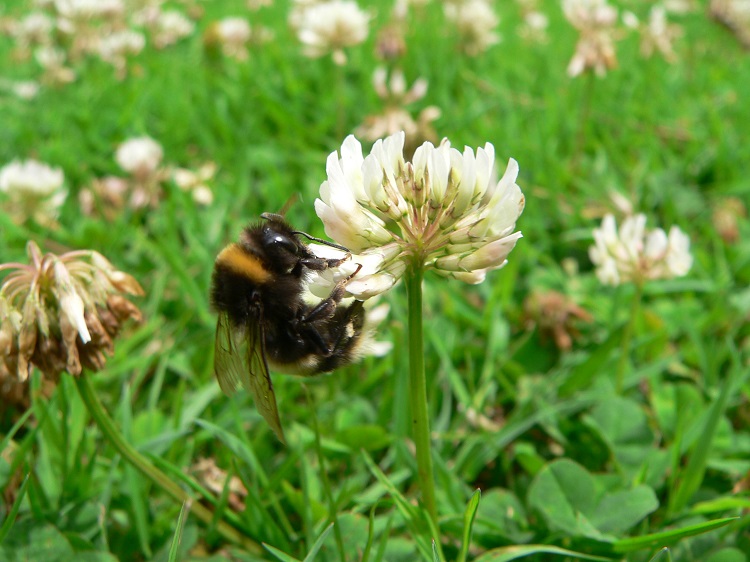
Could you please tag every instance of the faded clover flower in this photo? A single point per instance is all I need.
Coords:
(444, 211)
(61, 313)
(395, 117)
(595, 21)
(735, 16)
(115, 47)
(196, 182)
(476, 22)
(556, 316)
(329, 27)
(32, 190)
(630, 254)
(657, 35)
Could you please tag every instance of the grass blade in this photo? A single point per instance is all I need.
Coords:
(177, 538)
(11, 518)
(469, 514)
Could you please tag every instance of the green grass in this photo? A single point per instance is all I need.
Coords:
(572, 467)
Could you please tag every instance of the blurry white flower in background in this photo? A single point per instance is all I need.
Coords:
(657, 35)
(168, 27)
(442, 211)
(233, 35)
(53, 63)
(735, 16)
(114, 48)
(196, 182)
(331, 26)
(630, 254)
(476, 23)
(534, 28)
(32, 190)
(24, 89)
(139, 156)
(595, 21)
(33, 30)
(395, 117)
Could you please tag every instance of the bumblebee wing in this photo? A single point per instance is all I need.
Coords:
(241, 361)
(228, 363)
(258, 381)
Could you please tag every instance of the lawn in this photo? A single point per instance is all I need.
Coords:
(567, 417)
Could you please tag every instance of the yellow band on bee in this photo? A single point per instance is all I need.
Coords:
(233, 257)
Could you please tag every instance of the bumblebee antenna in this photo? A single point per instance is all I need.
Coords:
(321, 241)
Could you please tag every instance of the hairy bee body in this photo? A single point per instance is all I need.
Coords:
(257, 288)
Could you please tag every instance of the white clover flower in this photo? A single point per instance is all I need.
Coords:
(476, 22)
(24, 89)
(53, 61)
(657, 35)
(89, 9)
(116, 46)
(32, 189)
(395, 117)
(631, 254)
(140, 156)
(595, 21)
(168, 27)
(331, 26)
(442, 211)
(232, 35)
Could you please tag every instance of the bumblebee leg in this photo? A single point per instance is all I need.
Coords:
(319, 264)
(326, 308)
(322, 312)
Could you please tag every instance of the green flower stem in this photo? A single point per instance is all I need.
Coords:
(418, 391)
(627, 338)
(144, 466)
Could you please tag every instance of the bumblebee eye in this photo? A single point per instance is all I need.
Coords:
(284, 242)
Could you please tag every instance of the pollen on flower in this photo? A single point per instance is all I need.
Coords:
(62, 313)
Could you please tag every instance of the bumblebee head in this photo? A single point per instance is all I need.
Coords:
(275, 242)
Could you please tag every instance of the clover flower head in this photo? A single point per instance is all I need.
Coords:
(476, 22)
(116, 46)
(170, 26)
(329, 27)
(140, 156)
(443, 211)
(61, 313)
(395, 116)
(595, 21)
(232, 35)
(555, 315)
(631, 254)
(657, 35)
(32, 190)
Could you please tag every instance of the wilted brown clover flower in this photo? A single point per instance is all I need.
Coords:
(61, 313)
(556, 315)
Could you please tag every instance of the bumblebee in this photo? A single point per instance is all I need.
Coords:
(257, 289)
